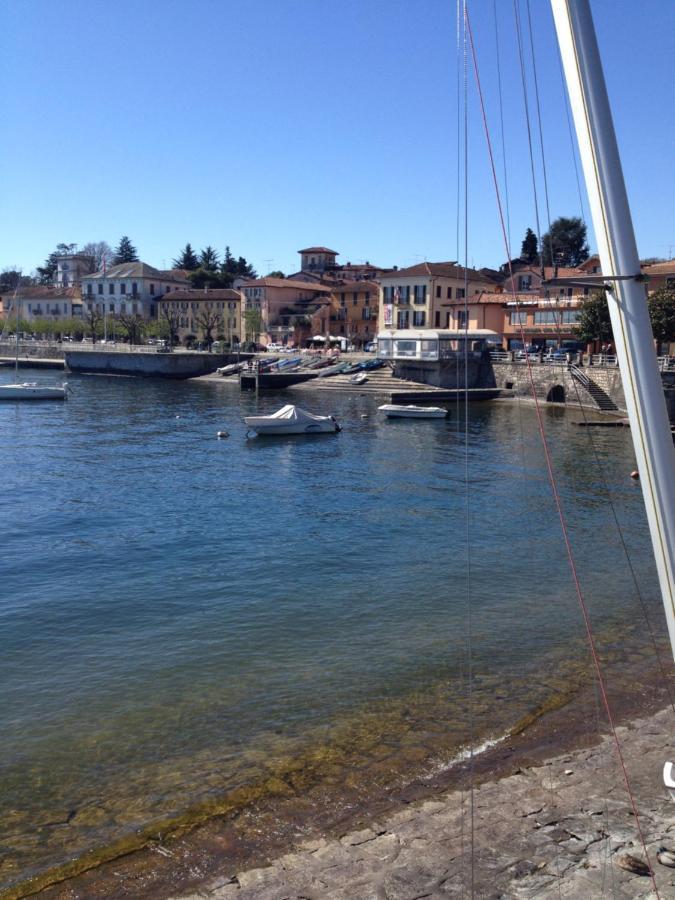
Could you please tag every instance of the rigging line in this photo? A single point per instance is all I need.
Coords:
(466, 457)
(523, 81)
(558, 503)
(541, 130)
(566, 104)
(501, 122)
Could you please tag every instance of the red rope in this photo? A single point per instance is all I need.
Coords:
(552, 479)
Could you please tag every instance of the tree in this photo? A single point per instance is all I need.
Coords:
(101, 252)
(202, 278)
(529, 249)
(594, 324)
(47, 272)
(253, 324)
(187, 259)
(208, 319)
(662, 313)
(236, 268)
(565, 243)
(125, 252)
(132, 325)
(276, 274)
(10, 279)
(208, 259)
(170, 316)
(93, 319)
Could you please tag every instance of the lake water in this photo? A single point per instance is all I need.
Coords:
(185, 618)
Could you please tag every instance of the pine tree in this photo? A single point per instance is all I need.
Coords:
(125, 252)
(208, 259)
(187, 259)
(529, 249)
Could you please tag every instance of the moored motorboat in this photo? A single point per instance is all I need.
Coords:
(359, 378)
(396, 411)
(291, 420)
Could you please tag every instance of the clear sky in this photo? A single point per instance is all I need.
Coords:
(272, 125)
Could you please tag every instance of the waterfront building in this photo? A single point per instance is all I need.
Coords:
(71, 268)
(191, 309)
(279, 310)
(351, 312)
(419, 296)
(660, 274)
(41, 301)
(129, 288)
(319, 265)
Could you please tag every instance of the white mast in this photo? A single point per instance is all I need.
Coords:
(627, 298)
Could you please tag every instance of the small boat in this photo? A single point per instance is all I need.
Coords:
(232, 369)
(334, 370)
(359, 378)
(371, 364)
(32, 391)
(292, 420)
(394, 411)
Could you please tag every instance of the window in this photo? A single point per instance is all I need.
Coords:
(402, 318)
(123, 288)
(342, 298)
(90, 289)
(550, 317)
(438, 290)
(388, 294)
(518, 318)
(460, 293)
(123, 307)
(419, 318)
(524, 282)
(449, 293)
(437, 318)
(134, 308)
(111, 288)
(111, 307)
(420, 293)
(355, 298)
(152, 290)
(134, 289)
(462, 318)
(100, 288)
(365, 313)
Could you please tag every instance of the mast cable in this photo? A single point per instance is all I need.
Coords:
(556, 493)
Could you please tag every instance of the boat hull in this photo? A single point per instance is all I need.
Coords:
(32, 392)
(392, 411)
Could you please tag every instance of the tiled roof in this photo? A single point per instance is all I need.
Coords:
(201, 294)
(44, 292)
(284, 283)
(352, 286)
(441, 269)
(319, 250)
(133, 270)
(660, 268)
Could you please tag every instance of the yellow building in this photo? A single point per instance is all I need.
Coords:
(206, 314)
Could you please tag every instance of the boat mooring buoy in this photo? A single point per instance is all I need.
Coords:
(222, 434)
(364, 416)
(635, 475)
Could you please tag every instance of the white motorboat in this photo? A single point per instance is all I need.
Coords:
(359, 378)
(292, 420)
(32, 391)
(396, 411)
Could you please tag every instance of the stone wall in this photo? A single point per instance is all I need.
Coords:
(35, 349)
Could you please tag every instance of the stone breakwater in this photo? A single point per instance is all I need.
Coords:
(563, 829)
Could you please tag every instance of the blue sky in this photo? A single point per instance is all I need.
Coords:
(272, 125)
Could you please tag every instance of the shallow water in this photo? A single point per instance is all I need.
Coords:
(184, 618)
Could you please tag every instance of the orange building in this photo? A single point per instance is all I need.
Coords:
(351, 313)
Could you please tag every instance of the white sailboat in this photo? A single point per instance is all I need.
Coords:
(626, 293)
(29, 390)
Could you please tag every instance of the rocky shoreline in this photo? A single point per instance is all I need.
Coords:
(564, 828)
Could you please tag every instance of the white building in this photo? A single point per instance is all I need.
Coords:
(129, 288)
(71, 268)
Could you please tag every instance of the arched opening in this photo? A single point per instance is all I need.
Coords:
(556, 394)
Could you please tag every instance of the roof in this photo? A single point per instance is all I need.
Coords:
(201, 294)
(285, 283)
(347, 286)
(44, 292)
(132, 270)
(441, 269)
(660, 268)
(319, 250)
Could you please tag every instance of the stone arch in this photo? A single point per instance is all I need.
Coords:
(556, 394)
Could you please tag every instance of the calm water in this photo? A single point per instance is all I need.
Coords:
(182, 617)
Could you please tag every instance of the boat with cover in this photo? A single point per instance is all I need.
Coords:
(396, 411)
(292, 420)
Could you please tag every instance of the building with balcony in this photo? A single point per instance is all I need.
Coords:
(351, 313)
(129, 289)
(191, 310)
(40, 302)
(421, 296)
(279, 310)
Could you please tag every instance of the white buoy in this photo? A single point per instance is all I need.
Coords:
(222, 434)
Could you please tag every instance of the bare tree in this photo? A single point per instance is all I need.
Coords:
(208, 319)
(93, 317)
(133, 325)
(100, 251)
(170, 314)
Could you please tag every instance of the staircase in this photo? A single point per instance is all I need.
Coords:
(601, 399)
(380, 381)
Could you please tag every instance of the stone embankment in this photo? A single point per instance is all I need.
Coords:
(562, 829)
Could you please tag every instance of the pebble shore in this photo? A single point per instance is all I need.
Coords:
(561, 829)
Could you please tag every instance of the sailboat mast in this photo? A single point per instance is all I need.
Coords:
(633, 338)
